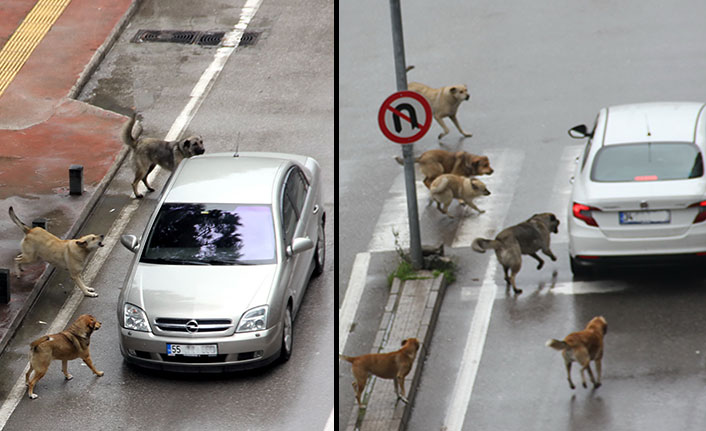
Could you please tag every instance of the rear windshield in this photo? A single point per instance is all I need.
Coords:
(211, 234)
(647, 162)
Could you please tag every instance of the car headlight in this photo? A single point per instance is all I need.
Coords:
(253, 320)
(134, 318)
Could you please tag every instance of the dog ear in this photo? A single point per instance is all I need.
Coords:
(187, 143)
(404, 342)
(81, 243)
(453, 90)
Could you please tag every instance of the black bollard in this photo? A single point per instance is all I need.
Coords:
(4, 286)
(76, 180)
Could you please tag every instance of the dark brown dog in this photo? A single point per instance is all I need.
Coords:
(433, 163)
(527, 237)
(394, 365)
(583, 347)
(64, 346)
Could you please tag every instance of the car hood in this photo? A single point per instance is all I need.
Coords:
(187, 291)
(657, 194)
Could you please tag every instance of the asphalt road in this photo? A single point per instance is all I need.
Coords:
(275, 95)
(533, 71)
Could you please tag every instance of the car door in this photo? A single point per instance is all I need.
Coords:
(298, 223)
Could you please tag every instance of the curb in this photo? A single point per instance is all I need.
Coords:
(412, 310)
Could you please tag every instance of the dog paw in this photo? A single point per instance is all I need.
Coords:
(90, 294)
(33, 396)
(68, 377)
(540, 265)
(403, 399)
(517, 291)
(468, 135)
(100, 373)
(596, 385)
(139, 196)
(584, 385)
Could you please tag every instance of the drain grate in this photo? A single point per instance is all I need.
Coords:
(203, 38)
(249, 39)
(210, 38)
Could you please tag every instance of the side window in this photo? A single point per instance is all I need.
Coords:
(293, 198)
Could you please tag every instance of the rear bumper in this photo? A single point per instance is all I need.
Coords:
(651, 260)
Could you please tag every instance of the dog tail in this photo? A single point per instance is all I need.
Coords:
(38, 341)
(482, 244)
(131, 130)
(346, 358)
(439, 186)
(18, 222)
(557, 344)
(400, 160)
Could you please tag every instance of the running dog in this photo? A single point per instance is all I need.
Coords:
(394, 365)
(65, 346)
(69, 254)
(527, 237)
(433, 163)
(583, 347)
(444, 102)
(447, 187)
(147, 153)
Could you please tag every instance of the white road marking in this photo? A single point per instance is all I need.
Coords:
(356, 287)
(198, 95)
(473, 351)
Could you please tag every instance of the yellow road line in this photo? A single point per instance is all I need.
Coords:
(26, 38)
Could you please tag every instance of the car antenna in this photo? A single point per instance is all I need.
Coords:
(237, 145)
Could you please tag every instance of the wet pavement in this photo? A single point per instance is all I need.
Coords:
(44, 131)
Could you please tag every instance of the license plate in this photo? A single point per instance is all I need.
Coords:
(192, 349)
(645, 217)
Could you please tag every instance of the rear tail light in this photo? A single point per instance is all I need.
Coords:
(583, 212)
(701, 215)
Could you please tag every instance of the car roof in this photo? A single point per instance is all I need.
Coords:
(652, 122)
(248, 178)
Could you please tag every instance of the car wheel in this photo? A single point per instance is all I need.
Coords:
(579, 271)
(287, 340)
(320, 253)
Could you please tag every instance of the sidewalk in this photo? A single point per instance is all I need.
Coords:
(411, 311)
(44, 131)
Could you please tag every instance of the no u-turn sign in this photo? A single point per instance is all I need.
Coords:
(405, 117)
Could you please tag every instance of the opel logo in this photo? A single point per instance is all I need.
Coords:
(192, 326)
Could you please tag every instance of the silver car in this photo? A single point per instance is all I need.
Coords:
(223, 264)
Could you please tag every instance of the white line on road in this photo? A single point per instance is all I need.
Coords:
(354, 291)
(198, 94)
(473, 351)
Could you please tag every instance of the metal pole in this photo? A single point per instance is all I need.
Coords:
(407, 149)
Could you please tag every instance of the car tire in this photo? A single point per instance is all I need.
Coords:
(579, 271)
(320, 253)
(287, 339)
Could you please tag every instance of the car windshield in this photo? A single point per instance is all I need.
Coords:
(211, 234)
(647, 162)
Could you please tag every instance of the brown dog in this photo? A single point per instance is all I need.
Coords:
(583, 347)
(64, 346)
(447, 187)
(69, 254)
(433, 163)
(527, 237)
(394, 365)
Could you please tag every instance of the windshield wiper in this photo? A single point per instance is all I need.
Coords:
(173, 261)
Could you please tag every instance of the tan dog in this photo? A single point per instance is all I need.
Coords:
(583, 347)
(444, 102)
(147, 153)
(527, 237)
(65, 346)
(447, 187)
(69, 254)
(433, 163)
(394, 365)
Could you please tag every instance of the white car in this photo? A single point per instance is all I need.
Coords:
(639, 190)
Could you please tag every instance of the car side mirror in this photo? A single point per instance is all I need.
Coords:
(299, 245)
(130, 242)
(579, 132)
